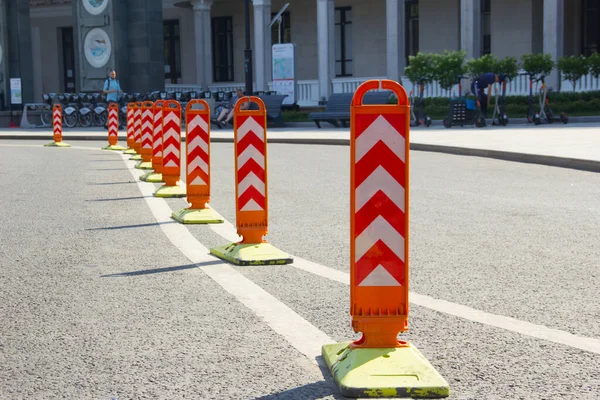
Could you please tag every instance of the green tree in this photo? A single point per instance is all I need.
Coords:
(594, 63)
(573, 68)
(538, 64)
(479, 66)
(449, 67)
(508, 66)
(420, 69)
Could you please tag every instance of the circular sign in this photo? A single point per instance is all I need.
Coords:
(95, 7)
(97, 48)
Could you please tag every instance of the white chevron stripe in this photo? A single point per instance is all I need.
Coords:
(171, 117)
(171, 149)
(251, 206)
(379, 229)
(148, 114)
(148, 126)
(379, 277)
(171, 133)
(249, 153)
(380, 179)
(380, 129)
(198, 142)
(170, 163)
(198, 163)
(251, 180)
(250, 125)
(57, 118)
(198, 182)
(196, 122)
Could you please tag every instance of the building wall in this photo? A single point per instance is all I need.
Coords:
(51, 52)
(439, 23)
(514, 38)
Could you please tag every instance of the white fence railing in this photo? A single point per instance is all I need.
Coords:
(308, 90)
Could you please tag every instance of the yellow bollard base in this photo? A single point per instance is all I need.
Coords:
(196, 216)
(144, 165)
(137, 157)
(252, 254)
(57, 144)
(129, 151)
(389, 372)
(170, 191)
(152, 177)
(113, 147)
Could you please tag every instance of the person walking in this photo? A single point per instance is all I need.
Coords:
(112, 89)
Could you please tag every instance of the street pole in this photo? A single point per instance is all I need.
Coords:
(248, 53)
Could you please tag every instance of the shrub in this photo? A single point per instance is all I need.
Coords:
(594, 64)
(573, 68)
(479, 66)
(420, 69)
(508, 66)
(449, 67)
(538, 64)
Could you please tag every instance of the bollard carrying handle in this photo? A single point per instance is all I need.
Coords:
(169, 103)
(251, 99)
(113, 106)
(148, 104)
(385, 84)
(57, 107)
(204, 110)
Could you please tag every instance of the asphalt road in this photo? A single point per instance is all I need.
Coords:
(99, 301)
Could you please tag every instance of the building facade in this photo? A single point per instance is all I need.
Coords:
(338, 43)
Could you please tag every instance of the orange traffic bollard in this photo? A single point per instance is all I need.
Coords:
(251, 191)
(137, 131)
(130, 128)
(57, 128)
(198, 166)
(171, 168)
(113, 128)
(157, 138)
(378, 364)
(147, 131)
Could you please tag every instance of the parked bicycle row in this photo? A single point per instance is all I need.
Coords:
(91, 109)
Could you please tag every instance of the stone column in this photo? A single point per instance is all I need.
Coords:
(145, 45)
(203, 42)
(470, 27)
(3, 62)
(326, 46)
(262, 44)
(18, 52)
(554, 36)
(396, 41)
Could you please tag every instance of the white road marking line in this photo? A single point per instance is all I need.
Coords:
(228, 231)
(301, 334)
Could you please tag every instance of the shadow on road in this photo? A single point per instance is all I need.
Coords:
(109, 169)
(110, 183)
(110, 228)
(161, 270)
(121, 198)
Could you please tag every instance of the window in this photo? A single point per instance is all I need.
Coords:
(172, 48)
(486, 27)
(68, 47)
(343, 41)
(411, 13)
(286, 31)
(222, 49)
(591, 27)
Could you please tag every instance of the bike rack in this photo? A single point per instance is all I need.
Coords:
(25, 124)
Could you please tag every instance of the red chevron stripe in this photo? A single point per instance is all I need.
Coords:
(197, 172)
(198, 132)
(198, 153)
(379, 254)
(171, 141)
(171, 157)
(259, 120)
(380, 154)
(363, 121)
(378, 205)
(251, 166)
(248, 140)
(251, 194)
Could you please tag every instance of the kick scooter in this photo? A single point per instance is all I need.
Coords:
(417, 118)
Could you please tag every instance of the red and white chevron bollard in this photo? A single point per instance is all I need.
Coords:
(57, 127)
(113, 129)
(251, 191)
(147, 134)
(130, 128)
(171, 168)
(198, 166)
(157, 139)
(379, 274)
(137, 132)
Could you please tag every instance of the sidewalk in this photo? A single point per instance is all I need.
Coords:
(575, 145)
